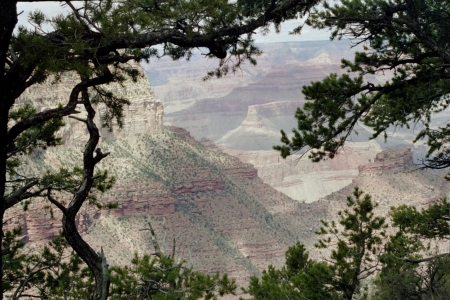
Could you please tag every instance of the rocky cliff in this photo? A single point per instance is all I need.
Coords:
(212, 109)
(393, 180)
(388, 160)
(143, 115)
(261, 128)
(217, 210)
(303, 180)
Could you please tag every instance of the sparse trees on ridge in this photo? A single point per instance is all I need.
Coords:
(96, 40)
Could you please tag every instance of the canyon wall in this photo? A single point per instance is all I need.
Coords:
(143, 115)
(234, 214)
(215, 208)
(388, 160)
(218, 107)
(303, 180)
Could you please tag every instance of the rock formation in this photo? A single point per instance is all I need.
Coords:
(261, 127)
(388, 160)
(279, 77)
(143, 115)
(218, 210)
(303, 180)
(393, 180)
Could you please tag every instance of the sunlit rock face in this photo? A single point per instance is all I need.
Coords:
(305, 181)
(388, 160)
(144, 114)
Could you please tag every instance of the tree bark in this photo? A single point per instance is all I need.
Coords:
(8, 20)
(96, 262)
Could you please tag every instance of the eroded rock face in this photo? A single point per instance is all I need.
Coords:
(195, 186)
(394, 180)
(303, 180)
(144, 115)
(257, 113)
(388, 160)
(218, 210)
(135, 199)
(261, 127)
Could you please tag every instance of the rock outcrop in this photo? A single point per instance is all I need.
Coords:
(199, 185)
(393, 180)
(388, 160)
(258, 113)
(261, 127)
(303, 180)
(143, 115)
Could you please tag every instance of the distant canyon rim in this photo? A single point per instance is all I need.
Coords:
(243, 114)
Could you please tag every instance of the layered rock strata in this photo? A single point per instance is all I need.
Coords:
(303, 180)
(388, 160)
(220, 213)
(143, 115)
(282, 71)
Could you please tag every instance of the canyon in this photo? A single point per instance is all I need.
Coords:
(198, 165)
(217, 211)
(219, 214)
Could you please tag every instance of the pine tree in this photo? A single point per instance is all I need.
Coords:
(95, 41)
(406, 38)
(414, 266)
(352, 247)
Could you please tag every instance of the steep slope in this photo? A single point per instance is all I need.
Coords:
(215, 208)
(221, 214)
(143, 115)
(393, 179)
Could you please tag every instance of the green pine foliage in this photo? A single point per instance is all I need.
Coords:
(352, 245)
(355, 244)
(56, 272)
(160, 277)
(52, 273)
(407, 40)
(413, 266)
(301, 278)
(406, 264)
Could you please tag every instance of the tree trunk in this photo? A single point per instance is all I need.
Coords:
(8, 20)
(96, 262)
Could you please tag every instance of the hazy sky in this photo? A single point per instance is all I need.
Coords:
(308, 34)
